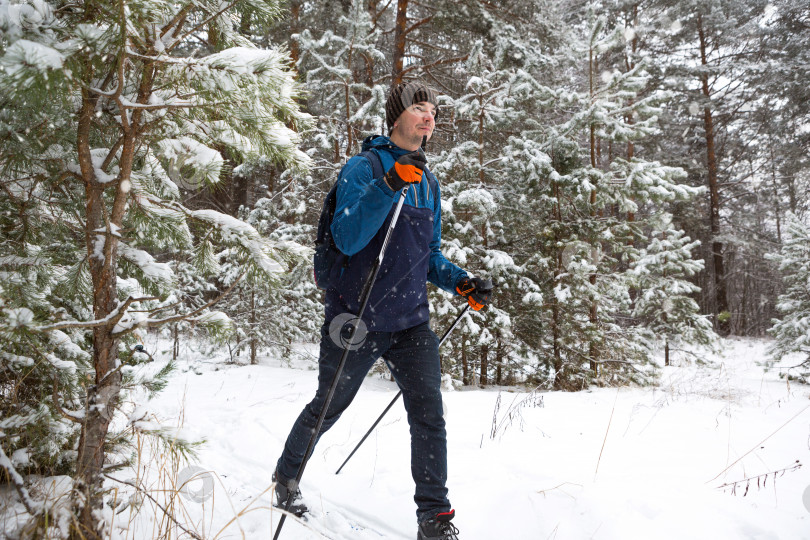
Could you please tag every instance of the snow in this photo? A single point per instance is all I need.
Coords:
(186, 151)
(562, 293)
(98, 156)
(64, 344)
(19, 317)
(30, 53)
(21, 458)
(233, 229)
(214, 318)
(61, 364)
(20, 361)
(628, 463)
(98, 247)
(152, 270)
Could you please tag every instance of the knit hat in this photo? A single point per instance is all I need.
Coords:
(403, 96)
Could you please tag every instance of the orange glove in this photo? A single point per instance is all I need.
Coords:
(407, 170)
(477, 291)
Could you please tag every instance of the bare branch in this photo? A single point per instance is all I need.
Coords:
(121, 67)
(436, 63)
(19, 484)
(111, 153)
(121, 311)
(178, 19)
(416, 25)
(152, 323)
(114, 316)
(206, 21)
(164, 106)
(59, 408)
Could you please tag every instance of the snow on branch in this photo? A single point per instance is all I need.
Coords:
(239, 232)
(111, 319)
(187, 152)
(160, 273)
(135, 323)
(24, 55)
(34, 508)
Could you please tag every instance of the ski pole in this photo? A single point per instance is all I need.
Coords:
(364, 297)
(374, 425)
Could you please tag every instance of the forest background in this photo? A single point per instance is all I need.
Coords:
(632, 174)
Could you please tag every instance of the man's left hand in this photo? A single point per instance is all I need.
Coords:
(477, 291)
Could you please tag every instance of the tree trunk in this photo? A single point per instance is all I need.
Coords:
(775, 185)
(593, 315)
(253, 344)
(176, 342)
(499, 363)
(348, 104)
(400, 31)
(465, 375)
(631, 64)
(721, 295)
(103, 394)
(742, 320)
(295, 28)
(102, 225)
(484, 365)
(555, 305)
(481, 176)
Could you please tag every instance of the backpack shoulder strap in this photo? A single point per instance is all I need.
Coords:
(434, 183)
(376, 163)
(378, 171)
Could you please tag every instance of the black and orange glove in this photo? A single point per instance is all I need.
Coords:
(407, 170)
(477, 291)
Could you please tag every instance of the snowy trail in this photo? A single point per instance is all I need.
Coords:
(659, 463)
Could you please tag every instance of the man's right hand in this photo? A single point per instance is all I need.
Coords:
(407, 170)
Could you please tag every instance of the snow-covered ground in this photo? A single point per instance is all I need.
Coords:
(632, 463)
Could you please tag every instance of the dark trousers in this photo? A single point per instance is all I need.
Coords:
(412, 356)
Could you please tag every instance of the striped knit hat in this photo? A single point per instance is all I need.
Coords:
(403, 96)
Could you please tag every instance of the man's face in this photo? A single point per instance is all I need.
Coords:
(415, 122)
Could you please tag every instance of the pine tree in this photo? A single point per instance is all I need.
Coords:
(485, 192)
(105, 112)
(596, 195)
(719, 47)
(792, 331)
(346, 91)
(665, 304)
(276, 318)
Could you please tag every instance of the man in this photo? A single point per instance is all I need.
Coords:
(396, 318)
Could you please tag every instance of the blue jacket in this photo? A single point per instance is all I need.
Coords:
(362, 215)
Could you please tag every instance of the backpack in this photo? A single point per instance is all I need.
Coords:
(326, 251)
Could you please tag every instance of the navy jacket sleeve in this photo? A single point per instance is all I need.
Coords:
(362, 206)
(442, 272)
